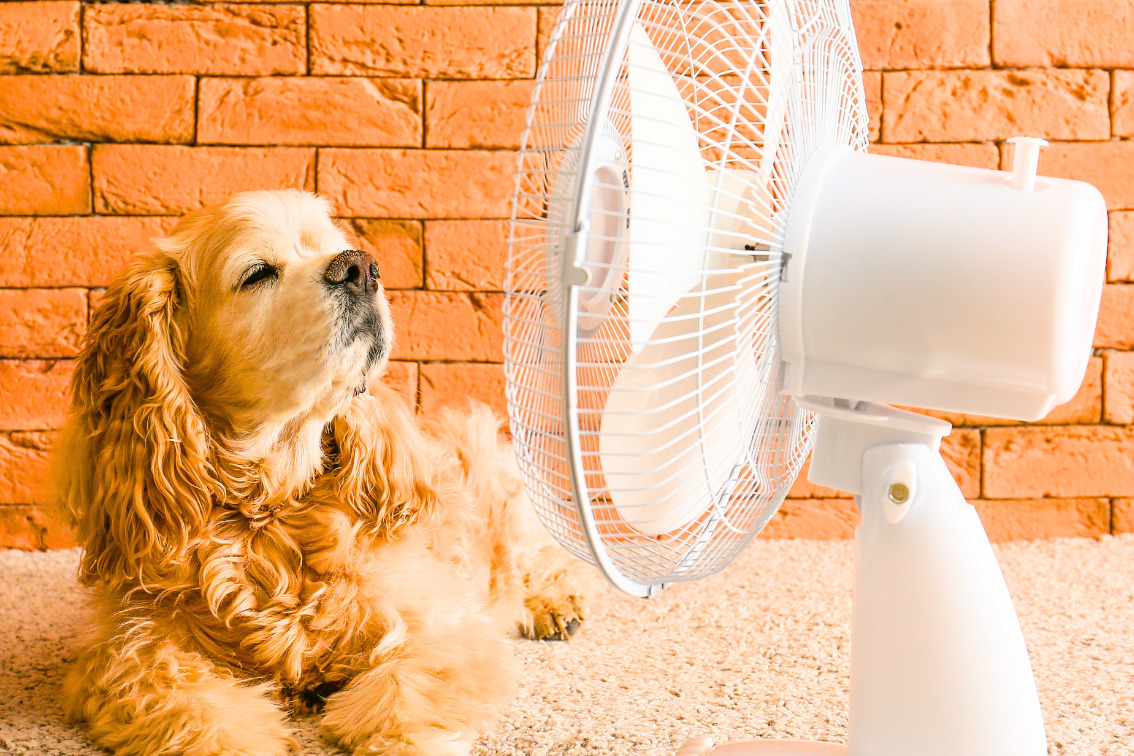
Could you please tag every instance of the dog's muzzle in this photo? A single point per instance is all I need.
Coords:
(353, 277)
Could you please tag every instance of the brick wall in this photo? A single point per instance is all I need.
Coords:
(115, 118)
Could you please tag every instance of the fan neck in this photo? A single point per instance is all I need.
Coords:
(846, 430)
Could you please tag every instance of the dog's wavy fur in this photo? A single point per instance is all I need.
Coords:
(251, 555)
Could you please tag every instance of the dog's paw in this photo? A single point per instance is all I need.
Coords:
(554, 617)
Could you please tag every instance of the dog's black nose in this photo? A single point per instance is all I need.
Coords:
(353, 270)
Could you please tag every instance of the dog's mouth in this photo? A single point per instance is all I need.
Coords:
(362, 326)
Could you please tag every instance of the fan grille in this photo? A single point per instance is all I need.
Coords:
(737, 67)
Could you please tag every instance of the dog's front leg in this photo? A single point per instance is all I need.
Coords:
(431, 695)
(438, 678)
(143, 695)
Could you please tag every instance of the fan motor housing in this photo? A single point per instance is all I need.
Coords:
(939, 286)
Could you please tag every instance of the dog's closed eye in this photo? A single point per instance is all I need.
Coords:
(259, 273)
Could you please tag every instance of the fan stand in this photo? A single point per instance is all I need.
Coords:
(938, 662)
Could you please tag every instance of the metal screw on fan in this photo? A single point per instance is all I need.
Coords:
(708, 275)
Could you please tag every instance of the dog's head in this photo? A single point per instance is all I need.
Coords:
(209, 371)
(279, 317)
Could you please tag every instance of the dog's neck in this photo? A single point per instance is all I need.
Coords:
(269, 470)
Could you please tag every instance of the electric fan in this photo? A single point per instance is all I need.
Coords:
(707, 272)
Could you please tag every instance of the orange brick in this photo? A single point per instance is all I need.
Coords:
(1120, 257)
(1084, 408)
(1115, 328)
(447, 326)
(922, 33)
(42, 322)
(444, 43)
(96, 109)
(325, 110)
(1122, 516)
(30, 528)
(402, 377)
(974, 106)
(352, 2)
(814, 519)
(45, 180)
(556, 3)
(240, 40)
(397, 247)
(974, 155)
(39, 37)
(1104, 164)
(961, 452)
(418, 183)
(872, 86)
(159, 180)
(453, 384)
(1058, 461)
(466, 255)
(544, 26)
(33, 393)
(87, 251)
(1120, 387)
(1122, 103)
(476, 113)
(94, 299)
(1063, 33)
(1035, 519)
(24, 461)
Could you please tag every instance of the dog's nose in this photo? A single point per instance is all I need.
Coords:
(353, 270)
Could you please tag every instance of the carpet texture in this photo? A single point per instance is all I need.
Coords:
(758, 651)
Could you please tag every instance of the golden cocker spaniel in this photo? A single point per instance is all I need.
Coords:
(262, 533)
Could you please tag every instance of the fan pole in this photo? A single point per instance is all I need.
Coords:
(938, 661)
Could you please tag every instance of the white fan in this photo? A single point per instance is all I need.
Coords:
(706, 269)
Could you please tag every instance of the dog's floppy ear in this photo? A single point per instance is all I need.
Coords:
(136, 480)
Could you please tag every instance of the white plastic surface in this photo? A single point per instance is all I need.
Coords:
(1025, 162)
(939, 286)
(681, 398)
(683, 220)
(670, 198)
(596, 265)
(938, 662)
(844, 431)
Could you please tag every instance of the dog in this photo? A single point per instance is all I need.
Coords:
(263, 534)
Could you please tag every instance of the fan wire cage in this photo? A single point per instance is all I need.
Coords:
(764, 84)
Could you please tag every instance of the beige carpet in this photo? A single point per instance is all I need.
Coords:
(760, 650)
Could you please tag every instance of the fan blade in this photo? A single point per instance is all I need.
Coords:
(669, 193)
(741, 217)
(671, 427)
(671, 431)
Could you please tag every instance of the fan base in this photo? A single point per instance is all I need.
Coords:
(703, 747)
(938, 662)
